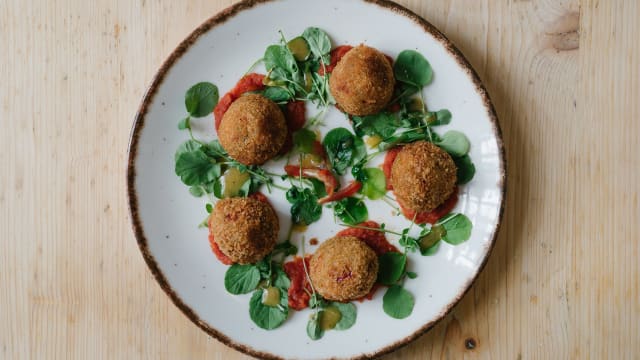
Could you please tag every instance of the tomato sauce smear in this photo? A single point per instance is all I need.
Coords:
(335, 56)
(300, 288)
(373, 238)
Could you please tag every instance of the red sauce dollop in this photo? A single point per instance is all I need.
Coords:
(336, 54)
(374, 239)
(388, 163)
(217, 252)
(424, 217)
(300, 288)
(434, 215)
(295, 113)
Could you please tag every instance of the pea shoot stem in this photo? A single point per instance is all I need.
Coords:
(372, 228)
(306, 273)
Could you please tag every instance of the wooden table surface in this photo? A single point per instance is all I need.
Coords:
(562, 281)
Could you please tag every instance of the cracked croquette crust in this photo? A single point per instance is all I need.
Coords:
(423, 176)
(362, 82)
(343, 268)
(246, 229)
(253, 130)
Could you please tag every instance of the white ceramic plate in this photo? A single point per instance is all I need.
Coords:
(165, 216)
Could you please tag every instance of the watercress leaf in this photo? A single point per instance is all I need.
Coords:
(280, 77)
(201, 98)
(403, 92)
(268, 317)
(214, 148)
(411, 275)
(279, 56)
(196, 190)
(351, 211)
(382, 124)
(305, 208)
(391, 267)
(397, 302)
(246, 188)
(277, 94)
(319, 42)
(282, 280)
(375, 185)
(204, 223)
(318, 187)
(264, 267)
(218, 188)
(412, 68)
(458, 228)
(442, 117)
(187, 146)
(455, 143)
(348, 313)
(466, 169)
(196, 167)
(314, 331)
(339, 146)
(241, 279)
(359, 150)
(287, 248)
(358, 172)
(303, 140)
(316, 301)
(185, 123)
(209, 208)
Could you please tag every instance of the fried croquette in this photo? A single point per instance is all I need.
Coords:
(253, 130)
(343, 268)
(362, 82)
(246, 229)
(423, 176)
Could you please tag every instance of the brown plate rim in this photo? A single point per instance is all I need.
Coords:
(138, 125)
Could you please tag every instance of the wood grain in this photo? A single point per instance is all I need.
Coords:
(562, 281)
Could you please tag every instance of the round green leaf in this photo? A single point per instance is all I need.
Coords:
(268, 317)
(339, 146)
(318, 41)
(196, 190)
(314, 331)
(196, 167)
(351, 211)
(375, 185)
(465, 169)
(412, 68)
(349, 313)
(201, 98)
(277, 94)
(241, 279)
(397, 302)
(455, 143)
(458, 228)
(391, 267)
(185, 147)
